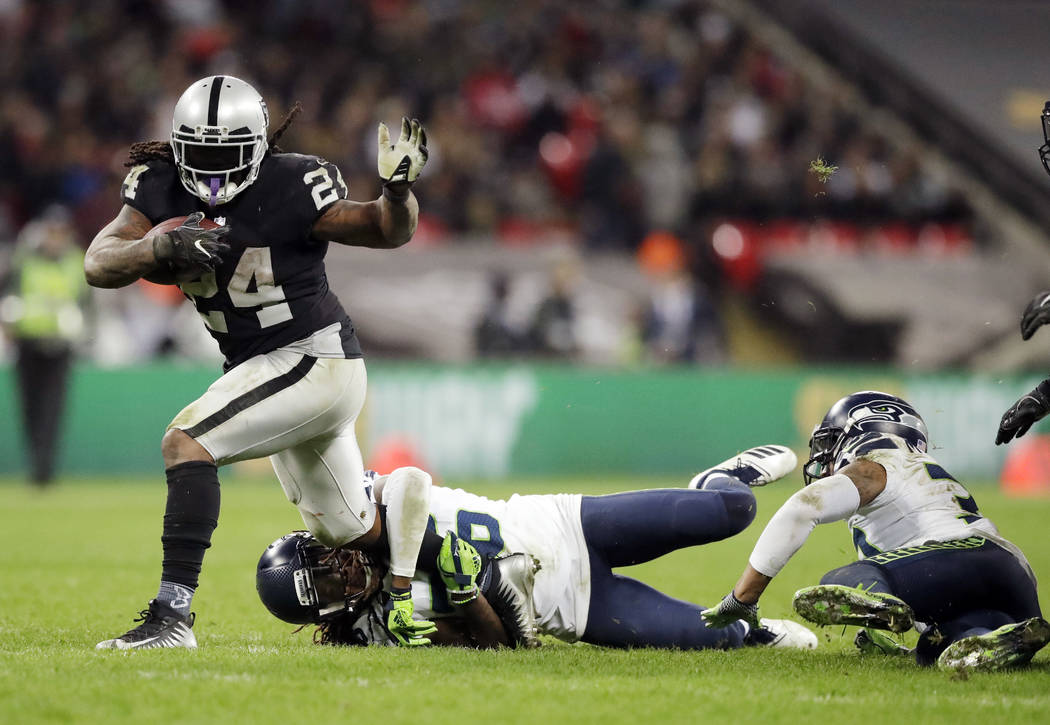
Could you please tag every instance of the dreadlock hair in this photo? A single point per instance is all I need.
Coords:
(364, 576)
(142, 152)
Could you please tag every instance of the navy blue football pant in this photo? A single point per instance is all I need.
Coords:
(623, 529)
(962, 588)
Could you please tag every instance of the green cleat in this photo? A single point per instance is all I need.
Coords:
(838, 604)
(1011, 644)
(874, 642)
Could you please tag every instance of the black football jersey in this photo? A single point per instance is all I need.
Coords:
(271, 289)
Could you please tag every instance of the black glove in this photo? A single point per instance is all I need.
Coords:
(188, 251)
(1022, 414)
(1036, 314)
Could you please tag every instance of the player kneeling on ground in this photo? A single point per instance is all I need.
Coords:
(927, 554)
(575, 541)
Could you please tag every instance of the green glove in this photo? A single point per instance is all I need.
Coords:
(409, 632)
(459, 564)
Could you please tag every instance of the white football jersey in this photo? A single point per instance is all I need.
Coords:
(547, 527)
(922, 503)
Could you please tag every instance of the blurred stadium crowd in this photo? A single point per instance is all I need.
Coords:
(601, 123)
(607, 118)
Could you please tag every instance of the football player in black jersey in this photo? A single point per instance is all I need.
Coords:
(1033, 406)
(294, 380)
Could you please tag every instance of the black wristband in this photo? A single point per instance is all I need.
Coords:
(397, 192)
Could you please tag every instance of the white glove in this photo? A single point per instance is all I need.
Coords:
(400, 163)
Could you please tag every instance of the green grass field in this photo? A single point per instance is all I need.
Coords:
(79, 560)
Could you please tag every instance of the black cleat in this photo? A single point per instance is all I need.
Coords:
(161, 626)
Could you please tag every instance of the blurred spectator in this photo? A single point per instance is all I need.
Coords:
(546, 118)
(592, 125)
(681, 322)
(494, 336)
(552, 331)
(40, 309)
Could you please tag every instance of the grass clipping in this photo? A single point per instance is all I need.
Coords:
(822, 169)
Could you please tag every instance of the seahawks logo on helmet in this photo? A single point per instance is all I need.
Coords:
(887, 410)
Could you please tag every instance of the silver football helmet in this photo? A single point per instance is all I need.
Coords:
(218, 135)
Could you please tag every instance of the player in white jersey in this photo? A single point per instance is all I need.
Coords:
(927, 555)
(576, 541)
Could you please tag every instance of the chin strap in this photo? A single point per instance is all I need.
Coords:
(214, 190)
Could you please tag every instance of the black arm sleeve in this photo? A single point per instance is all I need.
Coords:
(428, 553)
(428, 550)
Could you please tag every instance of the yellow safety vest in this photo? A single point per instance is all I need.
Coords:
(49, 292)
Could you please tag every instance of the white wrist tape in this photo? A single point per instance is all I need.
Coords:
(406, 494)
(830, 499)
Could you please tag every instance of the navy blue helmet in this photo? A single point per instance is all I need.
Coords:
(301, 581)
(868, 411)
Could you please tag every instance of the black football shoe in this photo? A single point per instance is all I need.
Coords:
(161, 626)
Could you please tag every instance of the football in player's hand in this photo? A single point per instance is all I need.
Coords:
(163, 276)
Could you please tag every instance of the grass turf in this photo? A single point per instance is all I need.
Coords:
(79, 560)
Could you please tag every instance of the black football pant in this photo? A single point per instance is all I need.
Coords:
(42, 372)
(961, 588)
(623, 529)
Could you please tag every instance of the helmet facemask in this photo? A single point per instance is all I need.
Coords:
(344, 581)
(1044, 150)
(214, 164)
(823, 447)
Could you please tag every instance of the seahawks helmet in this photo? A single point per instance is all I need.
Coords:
(865, 412)
(218, 136)
(301, 581)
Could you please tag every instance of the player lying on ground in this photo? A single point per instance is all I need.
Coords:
(577, 541)
(341, 590)
(294, 379)
(927, 554)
